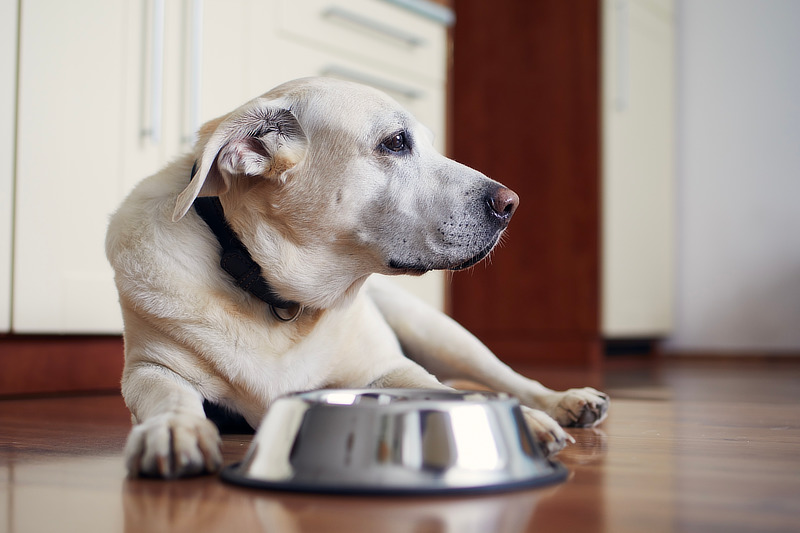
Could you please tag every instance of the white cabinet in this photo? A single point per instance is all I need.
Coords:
(110, 90)
(8, 91)
(638, 168)
(68, 162)
(376, 33)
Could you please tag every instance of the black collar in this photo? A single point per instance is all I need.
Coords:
(236, 260)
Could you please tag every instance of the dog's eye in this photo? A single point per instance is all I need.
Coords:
(395, 143)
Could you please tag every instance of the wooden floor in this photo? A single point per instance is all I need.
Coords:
(689, 446)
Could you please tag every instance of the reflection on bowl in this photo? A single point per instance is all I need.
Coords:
(394, 441)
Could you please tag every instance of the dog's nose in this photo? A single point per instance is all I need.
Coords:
(503, 202)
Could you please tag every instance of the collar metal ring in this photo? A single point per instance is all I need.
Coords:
(292, 314)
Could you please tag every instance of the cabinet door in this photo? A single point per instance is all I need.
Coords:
(110, 91)
(638, 170)
(235, 57)
(375, 33)
(142, 129)
(8, 73)
(188, 61)
(72, 83)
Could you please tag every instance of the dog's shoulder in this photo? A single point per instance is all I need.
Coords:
(142, 241)
(147, 206)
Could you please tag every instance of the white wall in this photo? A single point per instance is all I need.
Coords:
(738, 176)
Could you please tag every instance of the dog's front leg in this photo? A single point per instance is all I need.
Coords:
(408, 376)
(449, 351)
(172, 436)
(548, 433)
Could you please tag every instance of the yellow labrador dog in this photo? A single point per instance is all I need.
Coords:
(243, 271)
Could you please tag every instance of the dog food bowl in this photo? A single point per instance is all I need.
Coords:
(394, 441)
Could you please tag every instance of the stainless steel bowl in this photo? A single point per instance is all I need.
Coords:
(394, 441)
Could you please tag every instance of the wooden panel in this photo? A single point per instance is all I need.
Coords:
(49, 364)
(525, 111)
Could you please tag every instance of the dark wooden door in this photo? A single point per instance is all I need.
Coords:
(525, 111)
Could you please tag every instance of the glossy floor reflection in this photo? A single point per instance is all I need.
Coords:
(688, 446)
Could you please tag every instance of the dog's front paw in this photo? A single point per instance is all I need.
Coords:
(581, 408)
(173, 445)
(549, 435)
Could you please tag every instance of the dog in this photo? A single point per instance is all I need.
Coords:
(244, 271)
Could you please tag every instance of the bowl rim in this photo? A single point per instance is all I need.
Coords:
(397, 396)
(232, 474)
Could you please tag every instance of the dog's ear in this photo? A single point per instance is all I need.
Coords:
(259, 139)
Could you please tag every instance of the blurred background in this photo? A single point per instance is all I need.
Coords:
(655, 145)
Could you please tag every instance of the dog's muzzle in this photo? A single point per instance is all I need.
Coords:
(494, 211)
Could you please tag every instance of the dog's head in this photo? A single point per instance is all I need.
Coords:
(327, 182)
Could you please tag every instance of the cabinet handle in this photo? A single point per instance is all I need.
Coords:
(335, 71)
(153, 132)
(196, 72)
(622, 51)
(407, 38)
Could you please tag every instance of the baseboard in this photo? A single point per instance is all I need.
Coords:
(49, 364)
(644, 347)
